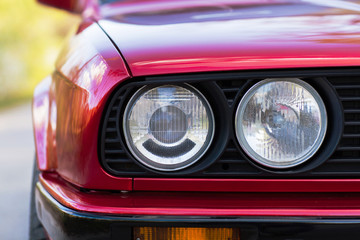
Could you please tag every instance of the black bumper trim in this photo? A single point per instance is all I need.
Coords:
(64, 223)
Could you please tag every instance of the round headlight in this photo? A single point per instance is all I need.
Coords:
(281, 123)
(168, 127)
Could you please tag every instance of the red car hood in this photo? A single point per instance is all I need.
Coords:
(158, 37)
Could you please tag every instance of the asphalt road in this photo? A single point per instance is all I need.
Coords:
(16, 159)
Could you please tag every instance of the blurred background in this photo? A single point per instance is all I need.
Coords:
(31, 36)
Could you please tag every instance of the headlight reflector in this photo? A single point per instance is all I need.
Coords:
(168, 127)
(281, 123)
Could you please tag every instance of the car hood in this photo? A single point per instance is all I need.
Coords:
(158, 37)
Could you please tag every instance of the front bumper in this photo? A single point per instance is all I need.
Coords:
(68, 213)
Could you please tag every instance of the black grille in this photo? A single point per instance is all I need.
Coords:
(115, 155)
(344, 161)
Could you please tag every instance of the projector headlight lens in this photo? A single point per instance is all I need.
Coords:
(168, 127)
(281, 123)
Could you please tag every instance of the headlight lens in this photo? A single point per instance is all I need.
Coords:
(281, 123)
(168, 127)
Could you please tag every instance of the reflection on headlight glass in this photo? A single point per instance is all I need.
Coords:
(281, 123)
(168, 126)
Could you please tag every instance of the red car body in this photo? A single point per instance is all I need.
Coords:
(125, 40)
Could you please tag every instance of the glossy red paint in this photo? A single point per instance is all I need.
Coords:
(68, 108)
(247, 185)
(229, 36)
(138, 6)
(69, 5)
(89, 9)
(40, 108)
(194, 204)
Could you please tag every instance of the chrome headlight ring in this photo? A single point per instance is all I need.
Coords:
(281, 123)
(168, 127)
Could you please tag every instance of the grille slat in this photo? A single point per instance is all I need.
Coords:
(122, 160)
(347, 148)
(357, 135)
(344, 160)
(112, 140)
(352, 123)
(351, 111)
(340, 87)
(344, 99)
(234, 161)
(114, 151)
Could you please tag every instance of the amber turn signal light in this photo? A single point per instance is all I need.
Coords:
(184, 233)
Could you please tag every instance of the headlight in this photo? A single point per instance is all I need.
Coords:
(281, 123)
(168, 127)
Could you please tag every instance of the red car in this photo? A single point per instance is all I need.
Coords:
(203, 120)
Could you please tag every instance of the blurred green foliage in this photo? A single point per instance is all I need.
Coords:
(31, 36)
